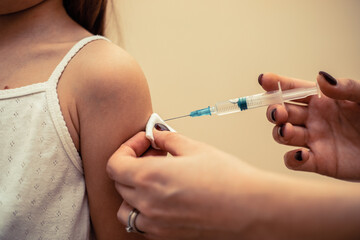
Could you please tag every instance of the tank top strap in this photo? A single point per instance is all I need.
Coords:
(56, 74)
(54, 104)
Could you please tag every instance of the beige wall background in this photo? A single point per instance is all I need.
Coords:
(195, 53)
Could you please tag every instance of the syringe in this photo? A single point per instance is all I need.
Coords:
(254, 101)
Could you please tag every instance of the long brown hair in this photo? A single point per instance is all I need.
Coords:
(90, 14)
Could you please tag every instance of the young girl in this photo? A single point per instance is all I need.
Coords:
(68, 99)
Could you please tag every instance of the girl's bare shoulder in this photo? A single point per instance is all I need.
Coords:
(104, 66)
(104, 73)
(105, 84)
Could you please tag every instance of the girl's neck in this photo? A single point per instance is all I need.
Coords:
(45, 21)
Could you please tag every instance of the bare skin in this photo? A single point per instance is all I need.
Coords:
(103, 93)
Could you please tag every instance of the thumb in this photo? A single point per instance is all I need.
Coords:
(340, 89)
(177, 144)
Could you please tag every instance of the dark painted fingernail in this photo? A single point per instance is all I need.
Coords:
(330, 79)
(260, 78)
(273, 115)
(281, 131)
(161, 127)
(298, 156)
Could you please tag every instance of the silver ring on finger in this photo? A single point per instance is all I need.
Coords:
(131, 227)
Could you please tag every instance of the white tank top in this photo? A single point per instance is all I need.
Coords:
(42, 186)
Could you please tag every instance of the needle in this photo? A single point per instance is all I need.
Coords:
(176, 117)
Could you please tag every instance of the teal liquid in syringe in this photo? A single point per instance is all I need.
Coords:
(254, 101)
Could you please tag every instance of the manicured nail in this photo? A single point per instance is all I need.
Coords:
(273, 115)
(161, 127)
(298, 156)
(281, 131)
(330, 79)
(260, 78)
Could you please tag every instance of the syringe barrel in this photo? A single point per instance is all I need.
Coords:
(226, 107)
(297, 93)
(241, 104)
(263, 99)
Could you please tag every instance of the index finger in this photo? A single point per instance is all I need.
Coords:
(135, 146)
(269, 82)
(177, 144)
(125, 161)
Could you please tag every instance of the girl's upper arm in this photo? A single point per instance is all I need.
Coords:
(113, 105)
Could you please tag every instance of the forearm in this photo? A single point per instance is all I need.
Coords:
(298, 209)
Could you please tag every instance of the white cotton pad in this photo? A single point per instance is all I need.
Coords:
(155, 121)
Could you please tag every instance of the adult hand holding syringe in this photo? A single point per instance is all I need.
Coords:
(254, 101)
